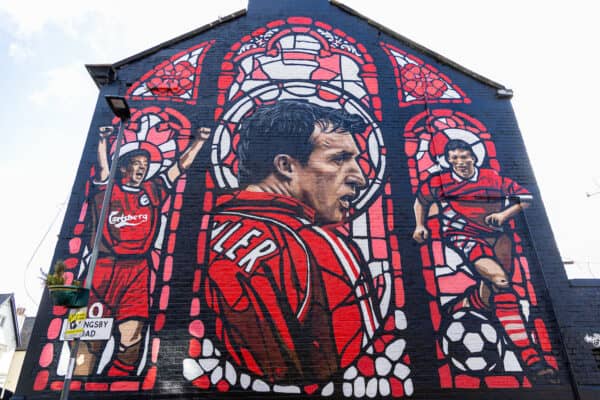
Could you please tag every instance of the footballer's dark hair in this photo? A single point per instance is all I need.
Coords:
(457, 144)
(126, 158)
(285, 127)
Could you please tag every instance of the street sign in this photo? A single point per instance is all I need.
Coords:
(73, 326)
(77, 326)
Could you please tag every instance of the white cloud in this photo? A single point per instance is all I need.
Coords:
(20, 52)
(65, 86)
(32, 16)
(116, 35)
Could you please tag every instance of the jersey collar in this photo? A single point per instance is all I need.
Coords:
(285, 204)
(474, 178)
(132, 189)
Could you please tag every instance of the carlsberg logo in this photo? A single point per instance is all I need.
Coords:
(122, 220)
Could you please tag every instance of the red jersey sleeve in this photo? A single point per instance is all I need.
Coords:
(512, 189)
(424, 193)
(429, 190)
(158, 189)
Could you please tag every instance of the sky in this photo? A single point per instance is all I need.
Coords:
(546, 52)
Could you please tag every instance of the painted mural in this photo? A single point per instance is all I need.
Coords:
(142, 216)
(296, 281)
(472, 258)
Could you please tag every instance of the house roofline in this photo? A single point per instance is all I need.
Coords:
(503, 91)
(11, 298)
(103, 74)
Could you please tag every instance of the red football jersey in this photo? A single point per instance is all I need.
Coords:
(466, 202)
(291, 300)
(133, 216)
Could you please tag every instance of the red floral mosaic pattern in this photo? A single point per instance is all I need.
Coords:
(172, 80)
(175, 79)
(420, 83)
(164, 133)
(425, 137)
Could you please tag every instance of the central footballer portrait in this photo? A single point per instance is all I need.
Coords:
(297, 253)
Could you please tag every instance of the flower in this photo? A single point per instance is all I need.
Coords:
(172, 80)
(420, 82)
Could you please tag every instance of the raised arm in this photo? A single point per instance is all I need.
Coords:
(188, 156)
(103, 167)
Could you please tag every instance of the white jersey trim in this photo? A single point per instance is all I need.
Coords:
(353, 272)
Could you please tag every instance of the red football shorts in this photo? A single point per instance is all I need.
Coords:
(122, 287)
(471, 247)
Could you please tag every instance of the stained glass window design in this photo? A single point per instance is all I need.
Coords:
(164, 133)
(420, 83)
(175, 79)
(300, 58)
(447, 275)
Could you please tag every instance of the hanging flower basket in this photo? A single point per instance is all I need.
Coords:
(69, 296)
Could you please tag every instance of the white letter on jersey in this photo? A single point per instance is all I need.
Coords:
(263, 249)
(243, 242)
(218, 247)
(218, 229)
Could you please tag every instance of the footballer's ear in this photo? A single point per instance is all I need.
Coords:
(285, 165)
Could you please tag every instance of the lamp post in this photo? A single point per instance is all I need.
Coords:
(120, 109)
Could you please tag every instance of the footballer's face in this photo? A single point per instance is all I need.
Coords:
(331, 177)
(136, 171)
(462, 162)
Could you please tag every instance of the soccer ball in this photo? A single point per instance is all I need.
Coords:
(471, 342)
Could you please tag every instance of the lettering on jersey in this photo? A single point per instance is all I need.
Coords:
(250, 240)
(217, 229)
(243, 242)
(218, 247)
(121, 220)
(265, 248)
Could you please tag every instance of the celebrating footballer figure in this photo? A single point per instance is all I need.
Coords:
(473, 205)
(121, 280)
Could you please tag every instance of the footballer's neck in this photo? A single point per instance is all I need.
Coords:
(271, 185)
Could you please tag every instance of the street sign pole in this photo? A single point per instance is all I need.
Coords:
(64, 395)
